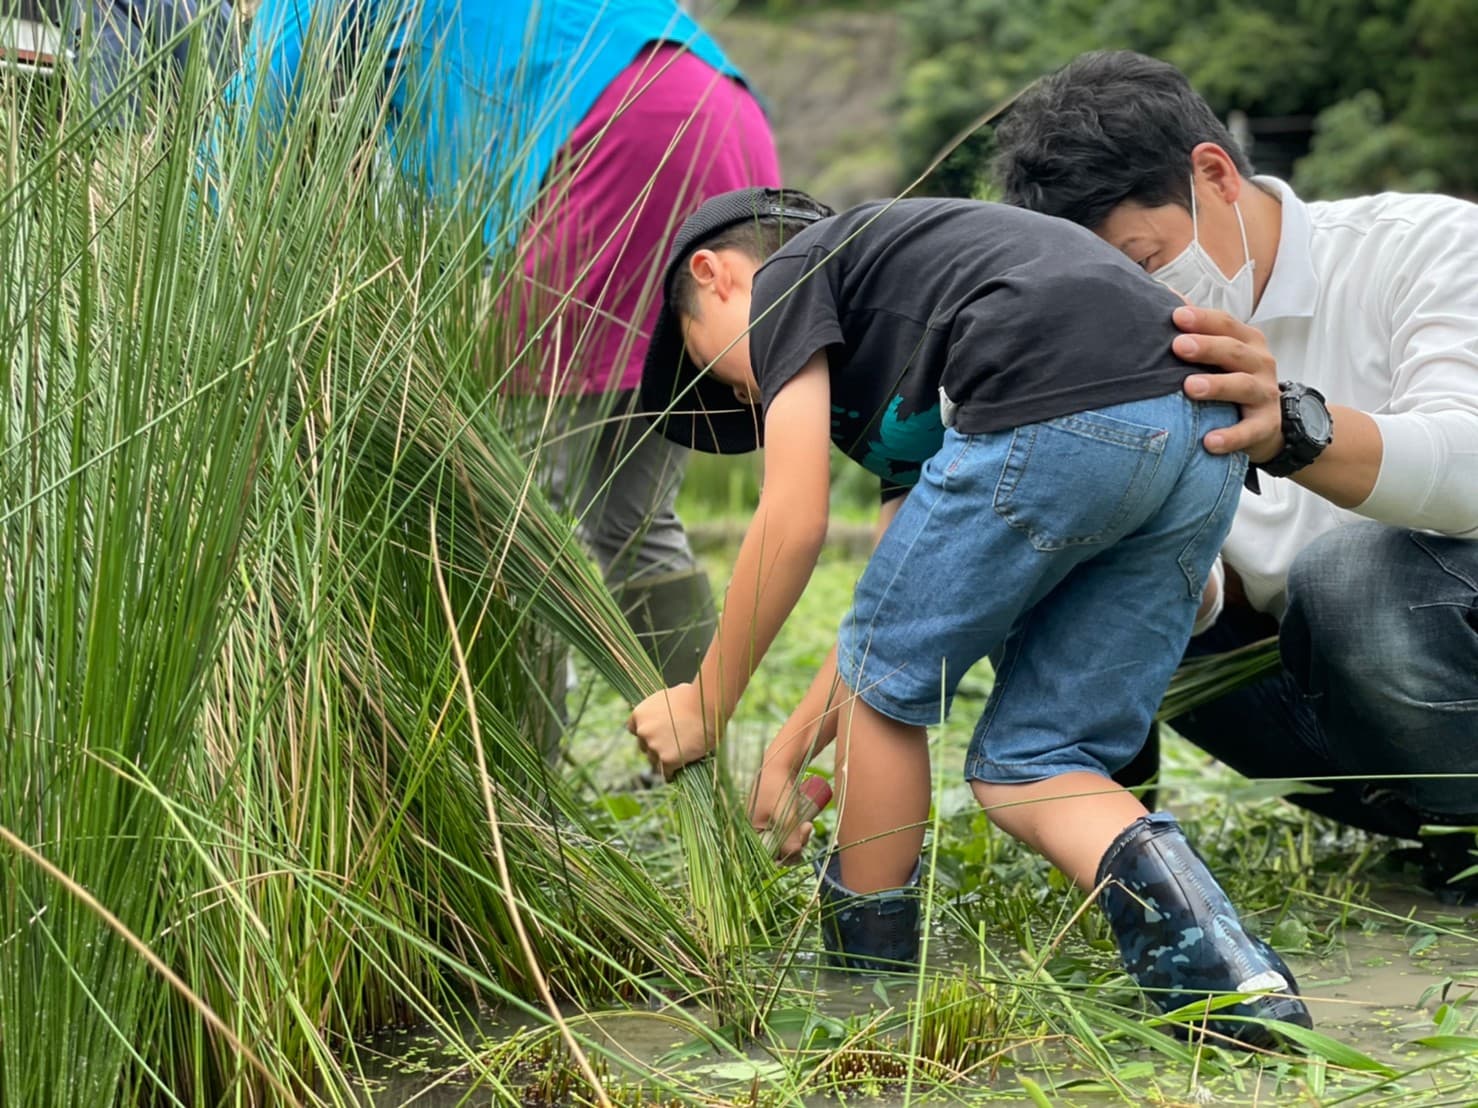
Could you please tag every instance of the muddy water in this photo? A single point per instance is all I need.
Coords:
(1377, 991)
(1376, 988)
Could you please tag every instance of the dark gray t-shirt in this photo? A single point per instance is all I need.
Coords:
(932, 310)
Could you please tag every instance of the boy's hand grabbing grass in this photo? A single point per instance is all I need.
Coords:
(671, 728)
(782, 813)
(772, 798)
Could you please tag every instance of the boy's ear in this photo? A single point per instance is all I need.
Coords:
(704, 266)
(711, 271)
(1214, 166)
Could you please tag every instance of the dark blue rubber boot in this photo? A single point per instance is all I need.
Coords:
(1182, 940)
(868, 932)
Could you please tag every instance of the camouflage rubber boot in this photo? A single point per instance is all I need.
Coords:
(1182, 940)
(868, 932)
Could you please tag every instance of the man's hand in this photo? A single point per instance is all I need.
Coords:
(772, 802)
(671, 728)
(1248, 379)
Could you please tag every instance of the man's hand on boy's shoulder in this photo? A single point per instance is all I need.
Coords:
(671, 728)
(1247, 377)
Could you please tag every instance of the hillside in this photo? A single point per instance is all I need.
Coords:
(829, 81)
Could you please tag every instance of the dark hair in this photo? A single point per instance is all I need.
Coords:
(1109, 126)
(759, 238)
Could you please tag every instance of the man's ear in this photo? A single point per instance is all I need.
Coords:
(1213, 167)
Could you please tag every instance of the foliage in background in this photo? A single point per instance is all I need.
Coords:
(1388, 85)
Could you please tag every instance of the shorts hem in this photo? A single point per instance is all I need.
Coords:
(1022, 773)
(872, 695)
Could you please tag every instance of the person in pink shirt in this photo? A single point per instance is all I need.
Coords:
(668, 132)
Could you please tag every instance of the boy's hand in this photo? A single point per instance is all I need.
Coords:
(1248, 378)
(671, 728)
(772, 800)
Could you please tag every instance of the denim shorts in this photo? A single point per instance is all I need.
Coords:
(1072, 552)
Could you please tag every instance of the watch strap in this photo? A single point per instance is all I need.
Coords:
(1298, 449)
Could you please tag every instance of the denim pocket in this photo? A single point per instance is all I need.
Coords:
(1077, 480)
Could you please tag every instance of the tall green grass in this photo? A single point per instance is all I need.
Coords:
(279, 587)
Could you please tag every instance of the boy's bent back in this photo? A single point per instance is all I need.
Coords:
(957, 313)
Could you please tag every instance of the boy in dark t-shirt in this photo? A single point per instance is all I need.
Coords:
(1012, 375)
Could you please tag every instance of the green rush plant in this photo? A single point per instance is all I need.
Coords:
(279, 589)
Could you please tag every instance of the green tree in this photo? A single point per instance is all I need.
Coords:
(1389, 84)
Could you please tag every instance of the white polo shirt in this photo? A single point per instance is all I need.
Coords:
(1374, 302)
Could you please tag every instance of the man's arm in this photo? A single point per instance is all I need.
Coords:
(1428, 479)
(779, 551)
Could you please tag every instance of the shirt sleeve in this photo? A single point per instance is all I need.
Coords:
(793, 313)
(1428, 477)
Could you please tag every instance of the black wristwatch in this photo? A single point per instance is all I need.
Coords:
(1307, 429)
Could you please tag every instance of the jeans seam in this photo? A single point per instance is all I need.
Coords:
(967, 441)
(1231, 480)
(1012, 469)
(998, 691)
(1442, 564)
(1076, 424)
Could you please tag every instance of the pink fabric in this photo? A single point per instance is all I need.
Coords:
(668, 133)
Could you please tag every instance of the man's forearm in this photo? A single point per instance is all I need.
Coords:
(1425, 477)
(1429, 475)
(1346, 472)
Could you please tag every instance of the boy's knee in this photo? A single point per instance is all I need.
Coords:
(999, 802)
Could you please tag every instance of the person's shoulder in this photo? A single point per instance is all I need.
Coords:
(1392, 211)
(949, 209)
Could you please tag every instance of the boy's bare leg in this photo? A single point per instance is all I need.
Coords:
(883, 782)
(1071, 819)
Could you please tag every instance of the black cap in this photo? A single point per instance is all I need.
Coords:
(689, 407)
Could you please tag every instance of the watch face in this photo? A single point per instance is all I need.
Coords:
(1315, 417)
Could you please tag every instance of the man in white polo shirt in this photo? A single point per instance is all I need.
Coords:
(1362, 548)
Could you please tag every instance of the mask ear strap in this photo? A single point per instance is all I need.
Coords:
(1195, 222)
(1242, 226)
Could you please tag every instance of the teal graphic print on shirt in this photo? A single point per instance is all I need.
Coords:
(900, 444)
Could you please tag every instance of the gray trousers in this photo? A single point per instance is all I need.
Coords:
(115, 39)
(604, 465)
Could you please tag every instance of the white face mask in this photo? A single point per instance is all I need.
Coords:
(1200, 280)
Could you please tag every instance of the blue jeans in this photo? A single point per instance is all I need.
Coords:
(1074, 551)
(1379, 680)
